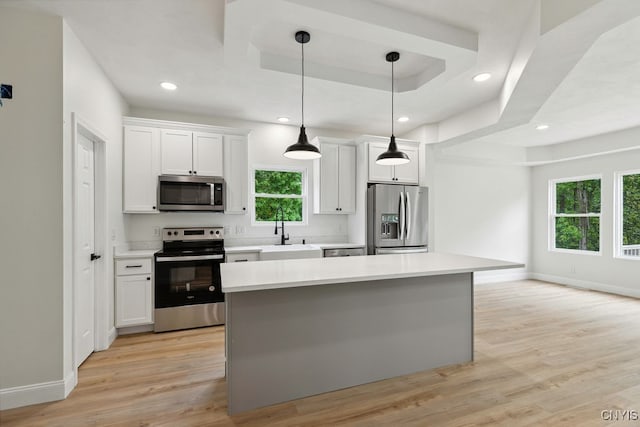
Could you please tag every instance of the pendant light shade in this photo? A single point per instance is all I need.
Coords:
(392, 156)
(302, 149)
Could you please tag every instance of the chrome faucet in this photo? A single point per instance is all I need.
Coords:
(282, 238)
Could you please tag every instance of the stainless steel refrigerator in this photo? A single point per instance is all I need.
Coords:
(397, 219)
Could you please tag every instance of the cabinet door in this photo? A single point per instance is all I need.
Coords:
(236, 161)
(347, 179)
(141, 167)
(177, 153)
(379, 173)
(408, 173)
(329, 181)
(207, 154)
(134, 305)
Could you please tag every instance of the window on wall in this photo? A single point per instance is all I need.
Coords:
(628, 214)
(275, 189)
(575, 214)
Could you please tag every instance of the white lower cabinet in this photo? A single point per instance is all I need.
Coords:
(134, 292)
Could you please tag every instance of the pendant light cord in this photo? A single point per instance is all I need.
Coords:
(302, 122)
(392, 80)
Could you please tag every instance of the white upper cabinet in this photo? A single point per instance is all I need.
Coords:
(401, 174)
(207, 154)
(335, 179)
(156, 147)
(177, 152)
(236, 170)
(191, 153)
(141, 167)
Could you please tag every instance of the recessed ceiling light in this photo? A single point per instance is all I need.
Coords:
(482, 77)
(542, 127)
(168, 86)
(403, 119)
(283, 119)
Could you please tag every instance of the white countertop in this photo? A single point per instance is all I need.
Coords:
(145, 253)
(242, 277)
(259, 248)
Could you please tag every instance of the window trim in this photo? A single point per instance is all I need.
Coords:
(617, 213)
(304, 197)
(552, 215)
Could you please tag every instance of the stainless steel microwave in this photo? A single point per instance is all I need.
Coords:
(190, 193)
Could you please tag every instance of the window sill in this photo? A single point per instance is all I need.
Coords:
(628, 258)
(576, 252)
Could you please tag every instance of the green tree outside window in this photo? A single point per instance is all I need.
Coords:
(577, 215)
(277, 188)
(631, 209)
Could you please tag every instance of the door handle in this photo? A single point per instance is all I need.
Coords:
(95, 257)
(407, 213)
(402, 218)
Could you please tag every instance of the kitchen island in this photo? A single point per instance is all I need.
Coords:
(296, 328)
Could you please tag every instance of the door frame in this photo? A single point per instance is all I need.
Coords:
(101, 292)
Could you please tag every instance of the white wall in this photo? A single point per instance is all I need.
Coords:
(31, 184)
(600, 272)
(267, 142)
(482, 210)
(91, 96)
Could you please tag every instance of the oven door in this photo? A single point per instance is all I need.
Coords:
(186, 280)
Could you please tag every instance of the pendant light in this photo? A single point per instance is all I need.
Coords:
(392, 156)
(302, 149)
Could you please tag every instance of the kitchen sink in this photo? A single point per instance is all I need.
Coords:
(297, 251)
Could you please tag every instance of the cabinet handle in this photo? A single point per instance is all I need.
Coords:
(195, 172)
(241, 260)
(148, 278)
(154, 208)
(190, 172)
(134, 266)
(244, 209)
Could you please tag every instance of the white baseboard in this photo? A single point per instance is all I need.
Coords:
(135, 329)
(585, 284)
(482, 277)
(15, 397)
(111, 337)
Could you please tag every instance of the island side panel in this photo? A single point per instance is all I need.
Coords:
(284, 344)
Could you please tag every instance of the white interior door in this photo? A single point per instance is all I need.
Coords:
(84, 283)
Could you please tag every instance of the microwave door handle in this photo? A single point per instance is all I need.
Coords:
(407, 214)
(212, 188)
(402, 211)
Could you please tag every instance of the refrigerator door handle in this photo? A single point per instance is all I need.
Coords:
(402, 218)
(407, 213)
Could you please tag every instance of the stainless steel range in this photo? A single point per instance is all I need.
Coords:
(188, 289)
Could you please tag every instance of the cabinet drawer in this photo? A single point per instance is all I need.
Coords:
(126, 267)
(243, 257)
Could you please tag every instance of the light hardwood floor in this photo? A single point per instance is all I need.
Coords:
(544, 355)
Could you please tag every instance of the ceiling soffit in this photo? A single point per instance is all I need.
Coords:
(349, 40)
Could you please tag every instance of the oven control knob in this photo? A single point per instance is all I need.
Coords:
(212, 288)
(211, 232)
(217, 231)
(175, 233)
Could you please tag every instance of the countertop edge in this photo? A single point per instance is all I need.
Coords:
(330, 281)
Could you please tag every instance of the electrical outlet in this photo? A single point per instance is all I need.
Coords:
(113, 234)
(573, 269)
(156, 231)
(239, 229)
(227, 230)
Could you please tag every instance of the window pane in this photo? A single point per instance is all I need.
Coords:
(578, 233)
(631, 214)
(578, 197)
(267, 207)
(278, 182)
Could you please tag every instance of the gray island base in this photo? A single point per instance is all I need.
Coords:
(286, 339)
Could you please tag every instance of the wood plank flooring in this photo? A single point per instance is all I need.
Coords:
(545, 355)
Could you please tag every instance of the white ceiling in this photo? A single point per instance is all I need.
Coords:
(239, 59)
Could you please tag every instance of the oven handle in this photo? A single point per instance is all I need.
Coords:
(188, 258)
